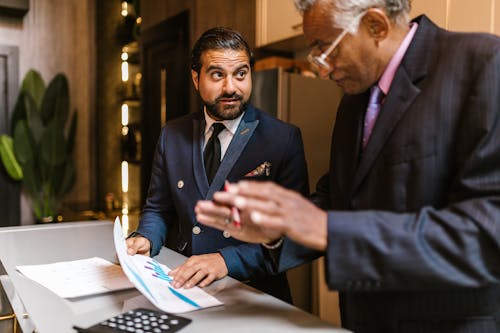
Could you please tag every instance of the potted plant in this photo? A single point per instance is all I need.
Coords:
(39, 153)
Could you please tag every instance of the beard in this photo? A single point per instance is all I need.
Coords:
(226, 112)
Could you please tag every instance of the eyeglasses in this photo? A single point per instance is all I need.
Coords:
(318, 59)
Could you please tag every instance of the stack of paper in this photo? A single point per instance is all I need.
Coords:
(78, 278)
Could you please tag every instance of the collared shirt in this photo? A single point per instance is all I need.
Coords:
(390, 71)
(225, 136)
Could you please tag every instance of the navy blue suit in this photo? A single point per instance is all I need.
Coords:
(414, 219)
(178, 181)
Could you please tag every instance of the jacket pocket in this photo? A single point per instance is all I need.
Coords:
(412, 152)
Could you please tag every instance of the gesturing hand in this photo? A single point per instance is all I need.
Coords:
(268, 211)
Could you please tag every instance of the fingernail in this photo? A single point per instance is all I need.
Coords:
(256, 217)
(240, 202)
(232, 188)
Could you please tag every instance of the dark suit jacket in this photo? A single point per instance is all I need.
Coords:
(414, 220)
(178, 181)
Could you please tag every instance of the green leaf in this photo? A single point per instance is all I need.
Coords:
(24, 145)
(53, 145)
(8, 159)
(34, 85)
(67, 179)
(72, 133)
(32, 183)
(19, 111)
(33, 118)
(55, 104)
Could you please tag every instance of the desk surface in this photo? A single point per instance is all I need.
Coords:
(245, 309)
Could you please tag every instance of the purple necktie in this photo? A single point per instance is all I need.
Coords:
(374, 105)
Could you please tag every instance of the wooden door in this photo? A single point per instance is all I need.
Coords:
(165, 83)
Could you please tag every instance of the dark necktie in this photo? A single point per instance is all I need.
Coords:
(372, 112)
(212, 153)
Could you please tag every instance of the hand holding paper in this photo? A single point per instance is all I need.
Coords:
(152, 280)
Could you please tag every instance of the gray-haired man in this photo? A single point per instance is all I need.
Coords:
(408, 215)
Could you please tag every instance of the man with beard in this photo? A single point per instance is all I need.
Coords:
(248, 144)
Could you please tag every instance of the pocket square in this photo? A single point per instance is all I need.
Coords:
(262, 170)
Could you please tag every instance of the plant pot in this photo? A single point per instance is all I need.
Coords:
(46, 219)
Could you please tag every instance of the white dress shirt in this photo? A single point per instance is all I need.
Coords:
(225, 136)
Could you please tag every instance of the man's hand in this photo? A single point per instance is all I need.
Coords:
(268, 211)
(138, 245)
(199, 270)
(218, 215)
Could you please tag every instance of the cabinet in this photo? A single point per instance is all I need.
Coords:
(276, 20)
(456, 14)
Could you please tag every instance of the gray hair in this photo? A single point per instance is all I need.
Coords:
(348, 12)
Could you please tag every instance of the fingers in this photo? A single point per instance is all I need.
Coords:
(138, 245)
(211, 214)
(260, 190)
(199, 270)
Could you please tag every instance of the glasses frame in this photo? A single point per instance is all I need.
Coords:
(319, 61)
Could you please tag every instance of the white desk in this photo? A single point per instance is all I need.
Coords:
(245, 309)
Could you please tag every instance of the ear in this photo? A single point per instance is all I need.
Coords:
(195, 78)
(377, 24)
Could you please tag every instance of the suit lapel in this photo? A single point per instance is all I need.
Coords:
(403, 91)
(347, 139)
(198, 166)
(238, 143)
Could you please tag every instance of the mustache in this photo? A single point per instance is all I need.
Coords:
(232, 96)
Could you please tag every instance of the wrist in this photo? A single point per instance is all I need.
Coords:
(273, 245)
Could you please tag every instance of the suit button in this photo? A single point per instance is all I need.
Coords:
(226, 234)
(180, 184)
(196, 230)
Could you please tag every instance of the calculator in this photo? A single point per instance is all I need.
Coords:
(139, 321)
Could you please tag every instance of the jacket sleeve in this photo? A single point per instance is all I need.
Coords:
(455, 246)
(159, 207)
(248, 261)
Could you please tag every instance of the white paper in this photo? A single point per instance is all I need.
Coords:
(152, 280)
(78, 278)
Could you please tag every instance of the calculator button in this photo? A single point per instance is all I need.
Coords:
(174, 322)
(164, 327)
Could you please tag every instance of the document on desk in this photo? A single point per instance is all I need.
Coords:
(152, 280)
(69, 279)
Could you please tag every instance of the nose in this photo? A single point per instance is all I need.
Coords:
(229, 86)
(324, 73)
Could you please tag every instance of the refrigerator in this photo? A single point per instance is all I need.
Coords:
(310, 104)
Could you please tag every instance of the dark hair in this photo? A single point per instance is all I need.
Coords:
(219, 38)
